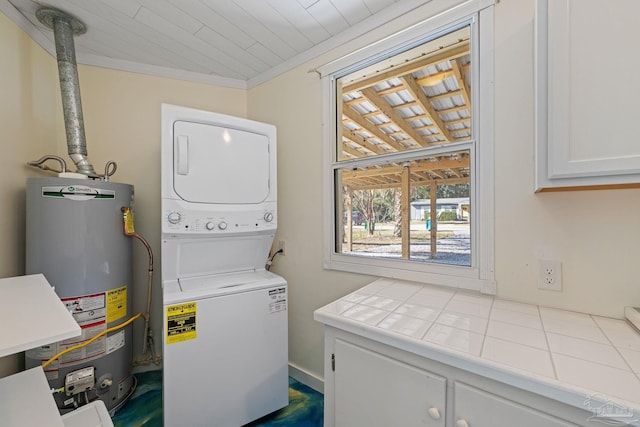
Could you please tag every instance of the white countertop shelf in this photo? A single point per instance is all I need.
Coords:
(28, 401)
(32, 315)
(575, 358)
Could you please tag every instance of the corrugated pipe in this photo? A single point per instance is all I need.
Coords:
(64, 27)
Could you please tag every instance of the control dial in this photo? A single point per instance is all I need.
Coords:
(174, 217)
(222, 225)
(209, 225)
(268, 216)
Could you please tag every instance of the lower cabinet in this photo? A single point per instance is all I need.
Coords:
(371, 384)
(375, 390)
(475, 407)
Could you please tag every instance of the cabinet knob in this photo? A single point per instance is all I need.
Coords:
(434, 413)
(462, 423)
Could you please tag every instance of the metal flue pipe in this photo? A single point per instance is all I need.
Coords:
(64, 27)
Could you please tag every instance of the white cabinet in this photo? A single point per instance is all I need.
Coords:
(371, 384)
(374, 390)
(587, 94)
(33, 315)
(477, 408)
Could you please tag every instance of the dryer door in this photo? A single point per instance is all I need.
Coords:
(216, 164)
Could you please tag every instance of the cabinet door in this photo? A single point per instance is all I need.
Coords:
(476, 408)
(586, 130)
(372, 390)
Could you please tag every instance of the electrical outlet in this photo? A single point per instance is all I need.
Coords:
(282, 246)
(550, 275)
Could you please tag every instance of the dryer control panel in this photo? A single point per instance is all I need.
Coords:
(178, 219)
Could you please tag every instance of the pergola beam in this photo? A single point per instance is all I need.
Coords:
(434, 116)
(405, 213)
(393, 115)
(371, 128)
(397, 169)
(442, 55)
(353, 136)
(414, 183)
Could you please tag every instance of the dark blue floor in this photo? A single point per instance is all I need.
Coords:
(144, 408)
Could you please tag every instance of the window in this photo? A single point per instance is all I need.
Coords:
(408, 168)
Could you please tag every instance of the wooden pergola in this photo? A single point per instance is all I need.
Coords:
(423, 102)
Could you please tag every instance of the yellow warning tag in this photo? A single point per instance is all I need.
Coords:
(116, 304)
(181, 322)
(128, 221)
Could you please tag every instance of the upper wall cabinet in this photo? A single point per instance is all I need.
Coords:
(587, 94)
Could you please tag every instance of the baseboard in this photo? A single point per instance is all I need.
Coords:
(295, 372)
(306, 378)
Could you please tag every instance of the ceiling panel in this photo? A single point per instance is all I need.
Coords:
(240, 41)
(353, 11)
(172, 14)
(297, 16)
(274, 22)
(328, 16)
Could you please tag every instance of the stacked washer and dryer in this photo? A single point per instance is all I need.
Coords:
(225, 316)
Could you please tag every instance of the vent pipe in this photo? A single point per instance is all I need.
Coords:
(64, 27)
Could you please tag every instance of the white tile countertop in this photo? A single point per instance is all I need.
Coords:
(571, 357)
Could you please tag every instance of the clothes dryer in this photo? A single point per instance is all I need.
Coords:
(225, 316)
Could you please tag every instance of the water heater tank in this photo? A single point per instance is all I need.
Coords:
(75, 238)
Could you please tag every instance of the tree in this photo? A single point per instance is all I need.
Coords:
(453, 190)
(383, 203)
(363, 202)
(397, 204)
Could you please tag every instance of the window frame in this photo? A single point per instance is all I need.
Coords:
(480, 275)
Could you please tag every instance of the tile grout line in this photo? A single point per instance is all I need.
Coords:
(546, 338)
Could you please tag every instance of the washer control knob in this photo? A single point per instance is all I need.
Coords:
(222, 225)
(209, 225)
(174, 217)
(268, 216)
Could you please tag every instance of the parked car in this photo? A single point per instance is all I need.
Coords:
(357, 218)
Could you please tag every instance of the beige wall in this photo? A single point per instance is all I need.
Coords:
(28, 126)
(596, 234)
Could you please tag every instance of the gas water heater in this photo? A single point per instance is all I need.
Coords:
(75, 238)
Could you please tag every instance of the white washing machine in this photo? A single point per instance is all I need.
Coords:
(225, 316)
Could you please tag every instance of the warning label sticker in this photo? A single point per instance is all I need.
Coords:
(90, 312)
(278, 300)
(116, 304)
(86, 353)
(85, 307)
(181, 322)
(115, 341)
(80, 355)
